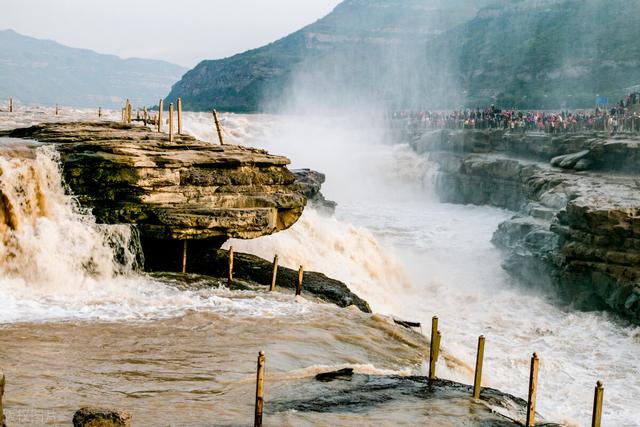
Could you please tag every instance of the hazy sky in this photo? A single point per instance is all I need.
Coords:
(180, 31)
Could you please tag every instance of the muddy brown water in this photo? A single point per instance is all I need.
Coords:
(199, 368)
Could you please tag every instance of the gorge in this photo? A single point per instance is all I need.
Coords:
(577, 198)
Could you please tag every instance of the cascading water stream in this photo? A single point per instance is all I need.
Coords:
(414, 258)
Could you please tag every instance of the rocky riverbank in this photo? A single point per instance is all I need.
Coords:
(188, 191)
(577, 199)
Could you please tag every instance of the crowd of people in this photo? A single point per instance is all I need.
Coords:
(624, 116)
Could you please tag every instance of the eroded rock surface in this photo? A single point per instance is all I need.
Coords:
(575, 231)
(310, 182)
(187, 189)
(100, 417)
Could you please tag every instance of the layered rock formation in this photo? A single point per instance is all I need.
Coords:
(577, 229)
(187, 189)
(173, 191)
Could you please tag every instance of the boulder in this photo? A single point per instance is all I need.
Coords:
(100, 417)
(569, 161)
(310, 182)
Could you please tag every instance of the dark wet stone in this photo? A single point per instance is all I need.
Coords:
(364, 393)
(345, 373)
(100, 417)
(215, 262)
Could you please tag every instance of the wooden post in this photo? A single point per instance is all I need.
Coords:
(127, 109)
(477, 383)
(2, 420)
(433, 353)
(259, 391)
(99, 111)
(57, 109)
(274, 274)
(300, 277)
(230, 279)
(171, 122)
(11, 111)
(179, 116)
(160, 107)
(145, 115)
(533, 386)
(138, 113)
(218, 127)
(184, 256)
(596, 421)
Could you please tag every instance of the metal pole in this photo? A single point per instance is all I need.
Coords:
(597, 405)
(259, 391)
(274, 274)
(477, 383)
(533, 386)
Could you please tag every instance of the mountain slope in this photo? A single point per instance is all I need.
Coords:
(45, 72)
(361, 48)
(434, 54)
(546, 53)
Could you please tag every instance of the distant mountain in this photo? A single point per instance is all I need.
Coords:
(46, 72)
(363, 48)
(434, 54)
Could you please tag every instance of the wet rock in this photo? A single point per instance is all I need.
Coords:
(255, 269)
(577, 233)
(345, 373)
(310, 182)
(430, 402)
(569, 161)
(100, 417)
(187, 189)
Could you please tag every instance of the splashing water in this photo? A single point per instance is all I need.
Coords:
(406, 254)
(414, 258)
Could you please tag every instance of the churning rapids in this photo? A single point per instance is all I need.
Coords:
(80, 325)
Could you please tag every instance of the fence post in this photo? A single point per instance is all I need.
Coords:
(184, 256)
(218, 127)
(171, 122)
(274, 274)
(300, 277)
(99, 111)
(433, 353)
(160, 107)
(145, 115)
(533, 386)
(57, 109)
(259, 391)
(179, 116)
(2, 420)
(477, 383)
(597, 405)
(11, 111)
(230, 278)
